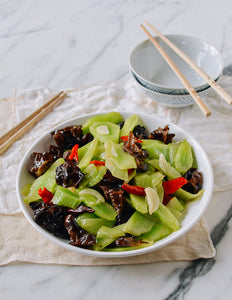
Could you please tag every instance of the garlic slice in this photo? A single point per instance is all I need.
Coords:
(153, 200)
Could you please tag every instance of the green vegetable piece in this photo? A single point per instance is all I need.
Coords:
(154, 163)
(106, 236)
(155, 148)
(114, 233)
(91, 196)
(83, 150)
(172, 149)
(156, 178)
(186, 196)
(176, 213)
(121, 159)
(99, 153)
(86, 153)
(64, 197)
(102, 209)
(138, 224)
(160, 191)
(113, 117)
(142, 180)
(175, 204)
(116, 172)
(139, 203)
(47, 180)
(105, 131)
(167, 168)
(93, 175)
(158, 232)
(130, 124)
(167, 217)
(26, 189)
(148, 179)
(92, 223)
(194, 165)
(183, 159)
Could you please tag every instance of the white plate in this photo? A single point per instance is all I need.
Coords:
(195, 209)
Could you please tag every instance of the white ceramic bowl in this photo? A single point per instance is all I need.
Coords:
(194, 209)
(155, 74)
(168, 100)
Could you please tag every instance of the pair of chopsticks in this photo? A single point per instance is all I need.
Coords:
(15, 133)
(182, 78)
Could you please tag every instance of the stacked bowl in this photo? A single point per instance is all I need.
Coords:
(154, 77)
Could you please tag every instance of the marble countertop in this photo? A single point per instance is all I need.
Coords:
(60, 44)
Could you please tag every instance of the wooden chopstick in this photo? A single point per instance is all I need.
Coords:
(194, 66)
(182, 78)
(15, 133)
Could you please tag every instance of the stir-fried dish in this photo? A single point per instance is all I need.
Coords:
(112, 185)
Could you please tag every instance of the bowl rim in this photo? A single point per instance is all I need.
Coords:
(157, 245)
(177, 90)
(163, 94)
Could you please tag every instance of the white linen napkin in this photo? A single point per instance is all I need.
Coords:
(213, 133)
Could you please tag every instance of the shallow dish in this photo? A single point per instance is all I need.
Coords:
(194, 210)
(168, 100)
(154, 73)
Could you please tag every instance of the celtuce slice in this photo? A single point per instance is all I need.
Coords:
(99, 198)
(167, 168)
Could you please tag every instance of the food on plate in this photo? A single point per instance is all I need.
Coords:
(111, 185)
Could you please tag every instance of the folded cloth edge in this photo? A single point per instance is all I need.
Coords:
(32, 247)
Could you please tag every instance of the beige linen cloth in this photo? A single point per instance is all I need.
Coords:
(19, 241)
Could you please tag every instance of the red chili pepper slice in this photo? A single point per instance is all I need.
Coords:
(45, 194)
(171, 186)
(125, 138)
(74, 153)
(97, 162)
(133, 189)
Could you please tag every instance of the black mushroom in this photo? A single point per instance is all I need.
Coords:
(68, 137)
(78, 236)
(42, 161)
(115, 196)
(162, 134)
(133, 147)
(111, 181)
(50, 217)
(195, 181)
(111, 188)
(141, 132)
(80, 210)
(69, 174)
